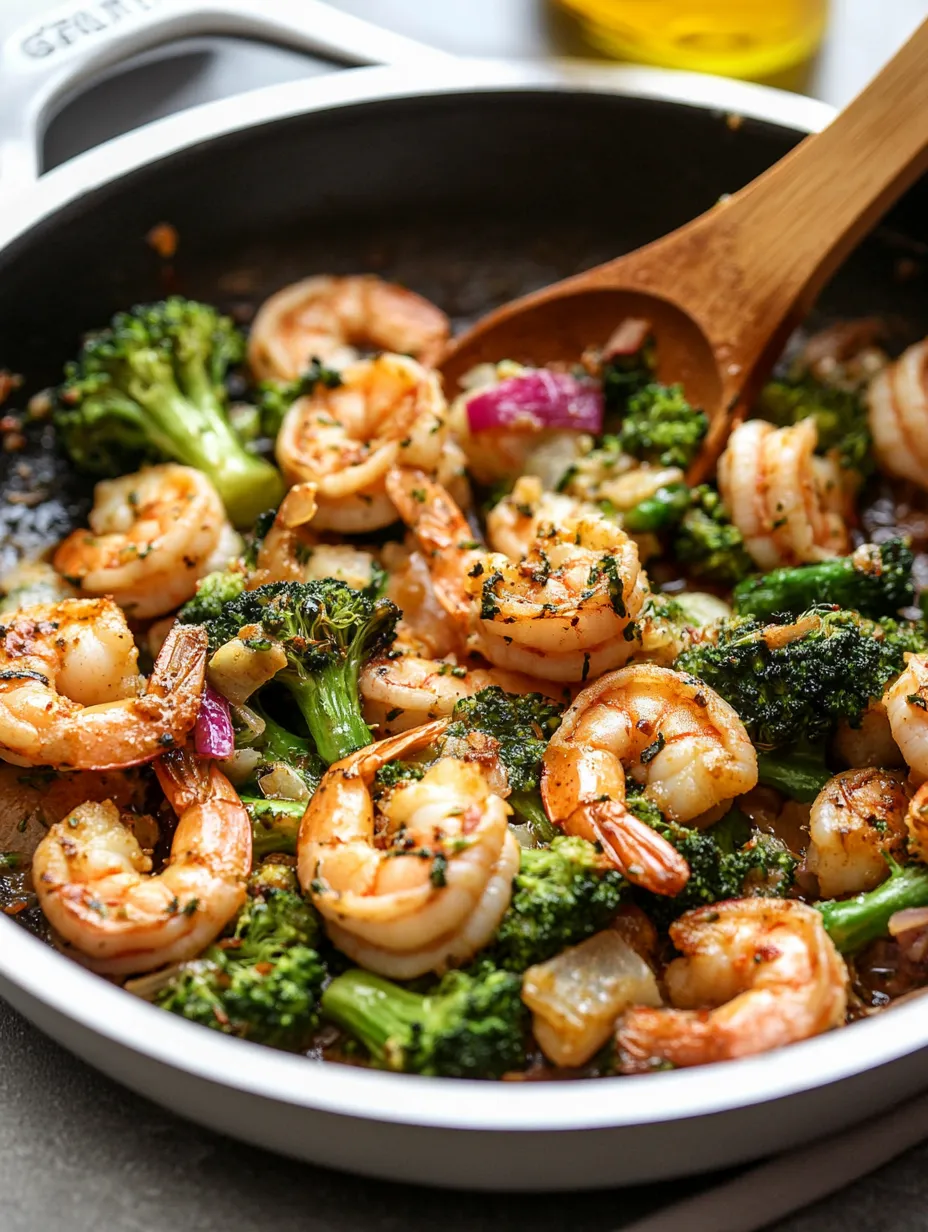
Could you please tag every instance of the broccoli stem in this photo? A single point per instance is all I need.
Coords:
(853, 922)
(383, 1016)
(275, 824)
(527, 806)
(329, 703)
(798, 774)
(279, 744)
(660, 511)
(247, 484)
(875, 586)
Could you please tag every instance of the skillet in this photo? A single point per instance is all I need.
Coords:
(472, 183)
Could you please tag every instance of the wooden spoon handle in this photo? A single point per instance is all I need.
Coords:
(763, 256)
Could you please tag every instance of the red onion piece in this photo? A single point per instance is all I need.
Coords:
(907, 920)
(535, 400)
(627, 339)
(213, 735)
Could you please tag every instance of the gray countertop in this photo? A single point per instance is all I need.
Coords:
(78, 1152)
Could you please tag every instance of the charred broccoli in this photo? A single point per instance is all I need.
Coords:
(840, 416)
(793, 682)
(213, 593)
(327, 631)
(276, 397)
(520, 726)
(561, 895)
(875, 581)
(149, 388)
(624, 376)
(473, 1025)
(661, 427)
(263, 982)
(707, 543)
(727, 860)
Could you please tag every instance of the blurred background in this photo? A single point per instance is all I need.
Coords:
(825, 49)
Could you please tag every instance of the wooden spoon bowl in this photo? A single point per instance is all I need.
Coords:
(724, 292)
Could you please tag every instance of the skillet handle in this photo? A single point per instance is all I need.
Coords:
(58, 52)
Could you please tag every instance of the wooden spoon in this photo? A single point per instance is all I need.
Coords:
(724, 292)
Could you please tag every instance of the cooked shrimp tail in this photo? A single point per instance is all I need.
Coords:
(644, 857)
(683, 745)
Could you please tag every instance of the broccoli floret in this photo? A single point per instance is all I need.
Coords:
(396, 772)
(327, 631)
(875, 581)
(727, 860)
(794, 682)
(520, 726)
(276, 397)
(624, 376)
(262, 983)
(561, 895)
(853, 922)
(799, 773)
(707, 543)
(658, 512)
(473, 1025)
(840, 416)
(213, 593)
(150, 389)
(661, 427)
(275, 824)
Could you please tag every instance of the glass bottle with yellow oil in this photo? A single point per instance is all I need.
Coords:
(738, 38)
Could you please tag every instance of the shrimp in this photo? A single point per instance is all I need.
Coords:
(784, 499)
(94, 881)
(420, 887)
(906, 702)
(898, 414)
(327, 318)
(857, 820)
(756, 973)
(680, 741)
(870, 743)
(425, 628)
(71, 696)
(528, 512)
(917, 824)
(563, 613)
(290, 552)
(345, 440)
(152, 536)
(406, 690)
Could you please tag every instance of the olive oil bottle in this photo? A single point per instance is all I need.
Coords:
(737, 38)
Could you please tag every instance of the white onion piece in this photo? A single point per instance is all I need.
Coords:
(577, 996)
(283, 783)
(240, 766)
(237, 670)
(701, 608)
(250, 719)
(523, 834)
